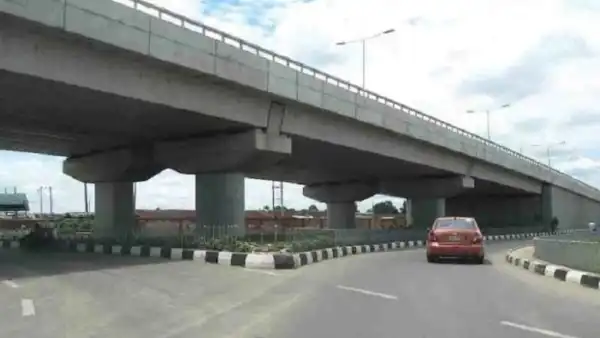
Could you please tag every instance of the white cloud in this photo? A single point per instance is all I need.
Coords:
(444, 58)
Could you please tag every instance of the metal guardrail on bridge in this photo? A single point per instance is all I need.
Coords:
(216, 34)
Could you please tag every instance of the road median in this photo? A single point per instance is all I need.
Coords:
(267, 260)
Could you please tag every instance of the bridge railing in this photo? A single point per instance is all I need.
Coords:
(219, 35)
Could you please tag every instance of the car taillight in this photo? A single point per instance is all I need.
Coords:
(432, 237)
(477, 239)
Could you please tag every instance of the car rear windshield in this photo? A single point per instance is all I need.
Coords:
(455, 224)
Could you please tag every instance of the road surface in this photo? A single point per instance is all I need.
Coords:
(388, 294)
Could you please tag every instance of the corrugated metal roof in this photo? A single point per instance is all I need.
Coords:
(14, 202)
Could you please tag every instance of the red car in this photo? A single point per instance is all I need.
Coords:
(456, 237)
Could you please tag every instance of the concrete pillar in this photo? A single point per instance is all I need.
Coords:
(114, 210)
(498, 211)
(408, 212)
(341, 215)
(341, 201)
(425, 211)
(546, 205)
(220, 205)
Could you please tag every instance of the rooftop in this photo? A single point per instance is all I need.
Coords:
(14, 202)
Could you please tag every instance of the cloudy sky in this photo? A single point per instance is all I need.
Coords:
(446, 57)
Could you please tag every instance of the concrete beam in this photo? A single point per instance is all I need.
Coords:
(122, 165)
(504, 177)
(242, 152)
(427, 187)
(340, 193)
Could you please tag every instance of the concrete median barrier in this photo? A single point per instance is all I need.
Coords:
(270, 260)
(578, 250)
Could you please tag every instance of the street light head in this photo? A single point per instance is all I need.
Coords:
(505, 105)
(341, 43)
(470, 111)
(391, 30)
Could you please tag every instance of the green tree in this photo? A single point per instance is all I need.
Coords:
(385, 207)
(313, 208)
(278, 209)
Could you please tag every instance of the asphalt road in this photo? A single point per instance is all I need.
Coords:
(388, 294)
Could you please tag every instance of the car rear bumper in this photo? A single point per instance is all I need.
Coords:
(455, 250)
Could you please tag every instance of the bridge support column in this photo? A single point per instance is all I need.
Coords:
(218, 162)
(113, 173)
(422, 212)
(220, 209)
(341, 201)
(547, 212)
(114, 210)
(341, 215)
(499, 211)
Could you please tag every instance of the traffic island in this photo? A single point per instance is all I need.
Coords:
(524, 258)
(267, 260)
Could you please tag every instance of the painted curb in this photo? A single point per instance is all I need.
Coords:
(557, 272)
(278, 261)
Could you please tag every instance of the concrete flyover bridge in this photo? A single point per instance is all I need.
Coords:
(125, 92)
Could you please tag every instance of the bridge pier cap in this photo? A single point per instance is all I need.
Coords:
(121, 165)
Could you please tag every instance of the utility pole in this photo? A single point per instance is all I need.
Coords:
(277, 197)
(134, 196)
(548, 149)
(51, 201)
(363, 42)
(85, 197)
(487, 117)
(41, 192)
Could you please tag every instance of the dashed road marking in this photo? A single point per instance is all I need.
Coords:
(367, 292)
(545, 332)
(10, 283)
(27, 307)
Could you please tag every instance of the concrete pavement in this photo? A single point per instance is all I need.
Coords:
(106, 296)
(387, 294)
(398, 294)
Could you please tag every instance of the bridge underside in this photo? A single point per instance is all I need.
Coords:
(54, 118)
(131, 117)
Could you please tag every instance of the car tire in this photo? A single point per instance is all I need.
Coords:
(480, 260)
(431, 259)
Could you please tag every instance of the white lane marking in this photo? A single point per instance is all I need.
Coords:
(367, 292)
(536, 330)
(10, 283)
(27, 308)
(270, 273)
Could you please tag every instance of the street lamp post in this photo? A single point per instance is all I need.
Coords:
(548, 149)
(487, 116)
(363, 42)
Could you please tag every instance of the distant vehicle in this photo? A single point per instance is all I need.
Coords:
(455, 237)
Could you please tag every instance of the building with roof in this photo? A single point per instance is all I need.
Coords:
(13, 202)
